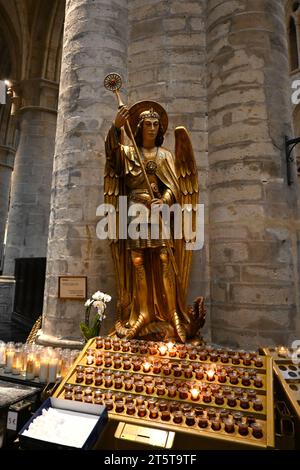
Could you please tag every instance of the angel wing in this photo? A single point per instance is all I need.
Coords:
(186, 171)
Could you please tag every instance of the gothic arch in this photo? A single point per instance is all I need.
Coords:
(46, 40)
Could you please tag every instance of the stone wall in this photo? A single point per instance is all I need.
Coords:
(254, 279)
(167, 63)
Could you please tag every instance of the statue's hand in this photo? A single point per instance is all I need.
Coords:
(156, 203)
(121, 117)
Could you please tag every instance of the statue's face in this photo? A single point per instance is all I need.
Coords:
(150, 128)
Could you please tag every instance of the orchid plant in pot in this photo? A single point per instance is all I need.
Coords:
(98, 301)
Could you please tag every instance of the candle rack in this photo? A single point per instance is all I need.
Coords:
(286, 366)
(194, 390)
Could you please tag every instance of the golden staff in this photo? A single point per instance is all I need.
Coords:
(113, 82)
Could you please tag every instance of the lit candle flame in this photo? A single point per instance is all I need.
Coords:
(210, 373)
(194, 393)
(162, 349)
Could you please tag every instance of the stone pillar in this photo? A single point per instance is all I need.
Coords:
(30, 194)
(7, 156)
(94, 44)
(167, 63)
(253, 242)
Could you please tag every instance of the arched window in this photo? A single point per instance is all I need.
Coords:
(293, 46)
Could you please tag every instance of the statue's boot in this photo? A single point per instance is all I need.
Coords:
(136, 322)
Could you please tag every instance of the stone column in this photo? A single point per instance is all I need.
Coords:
(167, 63)
(30, 194)
(254, 279)
(7, 156)
(94, 44)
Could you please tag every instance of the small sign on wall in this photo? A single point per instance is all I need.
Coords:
(72, 287)
(2, 92)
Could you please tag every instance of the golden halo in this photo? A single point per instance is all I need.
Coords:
(137, 108)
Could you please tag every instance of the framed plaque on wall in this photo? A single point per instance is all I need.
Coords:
(72, 287)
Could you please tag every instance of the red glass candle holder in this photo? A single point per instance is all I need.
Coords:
(202, 422)
(221, 377)
(257, 430)
(190, 419)
(166, 370)
(116, 345)
(207, 396)
(152, 403)
(160, 389)
(177, 417)
(216, 424)
(183, 393)
(130, 409)
(258, 382)
(139, 386)
(199, 374)
(156, 367)
(126, 365)
(224, 358)
(244, 403)
(139, 400)
(188, 373)
(229, 425)
(219, 399)
(129, 399)
(258, 362)
(149, 388)
(142, 411)
(99, 360)
(89, 378)
(125, 346)
(234, 379)
(120, 407)
(235, 359)
(118, 383)
(172, 390)
(153, 413)
(243, 429)
(246, 380)
(136, 366)
(174, 406)
(203, 355)
(109, 404)
(231, 401)
(177, 371)
(128, 384)
(257, 404)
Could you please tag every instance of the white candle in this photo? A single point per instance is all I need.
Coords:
(17, 363)
(2, 354)
(9, 360)
(43, 373)
(30, 367)
(52, 371)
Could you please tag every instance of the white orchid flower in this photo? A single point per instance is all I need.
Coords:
(88, 302)
(98, 295)
(107, 298)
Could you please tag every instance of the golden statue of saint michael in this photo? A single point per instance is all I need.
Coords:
(152, 273)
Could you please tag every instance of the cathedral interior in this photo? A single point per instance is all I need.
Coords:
(226, 70)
